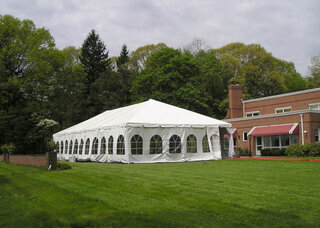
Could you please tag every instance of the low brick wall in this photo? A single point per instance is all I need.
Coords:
(37, 160)
(34, 160)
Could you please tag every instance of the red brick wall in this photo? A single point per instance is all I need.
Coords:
(37, 160)
(297, 102)
(33, 160)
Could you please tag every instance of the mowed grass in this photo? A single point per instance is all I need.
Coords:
(226, 193)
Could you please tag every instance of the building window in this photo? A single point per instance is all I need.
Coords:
(87, 147)
(75, 149)
(95, 145)
(245, 136)
(191, 144)
(156, 145)
(252, 114)
(120, 145)
(66, 147)
(175, 144)
(205, 145)
(81, 147)
(314, 106)
(279, 141)
(103, 146)
(282, 110)
(70, 147)
(61, 147)
(226, 143)
(136, 144)
(316, 135)
(110, 145)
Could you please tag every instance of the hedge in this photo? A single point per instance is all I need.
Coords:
(307, 150)
(273, 152)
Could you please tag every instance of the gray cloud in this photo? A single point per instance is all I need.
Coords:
(288, 29)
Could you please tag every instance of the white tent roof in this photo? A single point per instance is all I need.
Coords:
(150, 113)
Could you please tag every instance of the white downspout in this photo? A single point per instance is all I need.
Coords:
(243, 110)
(302, 131)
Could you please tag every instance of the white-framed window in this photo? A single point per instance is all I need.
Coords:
(252, 114)
(314, 106)
(103, 146)
(95, 145)
(81, 147)
(282, 110)
(316, 135)
(191, 144)
(87, 147)
(244, 136)
(136, 144)
(66, 147)
(70, 147)
(110, 145)
(155, 145)
(120, 145)
(279, 141)
(75, 149)
(174, 144)
(205, 144)
(61, 147)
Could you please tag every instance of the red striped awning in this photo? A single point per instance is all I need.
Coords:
(283, 129)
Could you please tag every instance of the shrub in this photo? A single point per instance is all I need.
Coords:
(273, 152)
(52, 146)
(296, 150)
(7, 148)
(242, 152)
(63, 166)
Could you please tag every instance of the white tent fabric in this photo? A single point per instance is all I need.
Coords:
(143, 121)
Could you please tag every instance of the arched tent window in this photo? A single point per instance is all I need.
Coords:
(175, 144)
(215, 143)
(103, 146)
(136, 144)
(66, 147)
(191, 144)
(81, 147)
(110, 145)
(75, 149)
(155, 145)
(61, 147)
(120, 145)
(95, 145)
(70, 147)
(205, 144)
(58, 144)
(87, 147)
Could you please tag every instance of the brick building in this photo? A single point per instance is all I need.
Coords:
(274, 121)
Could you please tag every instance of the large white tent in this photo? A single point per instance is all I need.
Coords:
(147, 132)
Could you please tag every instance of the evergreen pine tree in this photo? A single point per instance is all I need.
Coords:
(124, 56)
(94, 57)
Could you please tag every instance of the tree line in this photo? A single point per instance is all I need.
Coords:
(44, 89)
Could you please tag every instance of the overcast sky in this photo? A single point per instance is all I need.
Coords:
(289, 29)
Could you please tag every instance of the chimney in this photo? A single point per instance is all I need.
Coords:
(235, 102)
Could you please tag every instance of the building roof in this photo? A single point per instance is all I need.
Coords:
(283, 95)
(150, 113)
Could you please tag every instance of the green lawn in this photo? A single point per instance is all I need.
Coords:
(226, 193)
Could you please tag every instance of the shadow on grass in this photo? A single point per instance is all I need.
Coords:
(187, 218)
(4, 180)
